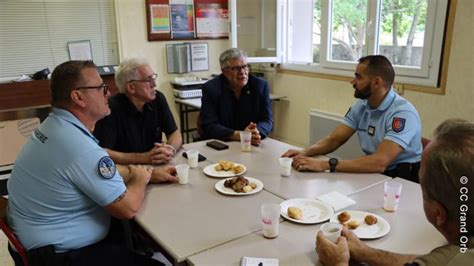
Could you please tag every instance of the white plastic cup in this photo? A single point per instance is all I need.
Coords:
(285, 165)
(331, 231)
(245, 140)
(183, 173)
(193, 156)
(392, 192)
(270, 219)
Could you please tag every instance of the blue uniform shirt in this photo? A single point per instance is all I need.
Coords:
(59, 184)
(395, 119)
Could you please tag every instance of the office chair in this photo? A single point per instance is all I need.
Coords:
(12, 239)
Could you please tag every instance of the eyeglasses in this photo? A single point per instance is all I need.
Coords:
(103, 86)
(149, 79)
(237, 69)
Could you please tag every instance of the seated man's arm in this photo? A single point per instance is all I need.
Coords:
(175, 140)
(386, 153)
(363, 253)
(265, 117)
(326, 145)
(378, 162)
(130, 157)
(128, 204)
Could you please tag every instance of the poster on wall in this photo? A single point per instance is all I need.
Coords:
(187, 19)
(212, 20)
(160, 18)
(182, 19)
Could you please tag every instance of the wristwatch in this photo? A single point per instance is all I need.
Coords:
(332, 164)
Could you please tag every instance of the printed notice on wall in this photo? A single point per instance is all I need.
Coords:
(182, 19)
(199, 57)
(160, 18)
(212, 20)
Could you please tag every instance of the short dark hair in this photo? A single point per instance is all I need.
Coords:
(64, 79)
(450, 157)
(379, 65)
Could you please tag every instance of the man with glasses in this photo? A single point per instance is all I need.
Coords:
(132, 133)
(236, 101)
(64, 187)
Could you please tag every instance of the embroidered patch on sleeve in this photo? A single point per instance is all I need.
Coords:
(107, 167)
(398, 124)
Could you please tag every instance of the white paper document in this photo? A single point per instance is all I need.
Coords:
(249, 261)
(336, 200)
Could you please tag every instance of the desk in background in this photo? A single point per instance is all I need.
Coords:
(191, 105)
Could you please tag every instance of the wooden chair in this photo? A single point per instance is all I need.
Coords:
(12, 239)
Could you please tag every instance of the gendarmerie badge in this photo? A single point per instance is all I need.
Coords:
(107, 167)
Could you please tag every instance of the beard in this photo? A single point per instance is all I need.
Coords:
(363, 93)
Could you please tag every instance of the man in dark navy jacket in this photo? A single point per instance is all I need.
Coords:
(236, 101)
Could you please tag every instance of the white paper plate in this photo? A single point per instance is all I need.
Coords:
(228, 191)
(314, 211)
(211, 171)
(365, 231)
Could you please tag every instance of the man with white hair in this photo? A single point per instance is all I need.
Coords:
(132, 133)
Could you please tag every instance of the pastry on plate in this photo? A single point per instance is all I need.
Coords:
(353, 224)
(344, 217)
(370, 219)
(295, 213)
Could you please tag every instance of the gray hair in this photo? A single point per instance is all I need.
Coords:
(127, 71)
(450, 157)
(229, 54)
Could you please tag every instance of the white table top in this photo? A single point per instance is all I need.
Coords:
(295, 245)
(191, 218)
(262, 163)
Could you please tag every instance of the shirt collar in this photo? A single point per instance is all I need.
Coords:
(69, 117)
(385, 104)
(131, 108)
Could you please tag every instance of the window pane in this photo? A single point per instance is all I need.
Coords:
(402, 31)
(316, 31)
(256, 27)
(349, 19)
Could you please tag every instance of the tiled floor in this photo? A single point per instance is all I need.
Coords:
(5, 259)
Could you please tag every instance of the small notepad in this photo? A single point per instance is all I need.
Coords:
(249, 261)
(336, 200)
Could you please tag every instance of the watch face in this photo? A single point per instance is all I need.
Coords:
(333, 161)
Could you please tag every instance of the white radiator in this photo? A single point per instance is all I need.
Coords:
(322, 124)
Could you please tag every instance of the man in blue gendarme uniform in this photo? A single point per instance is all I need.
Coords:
(64, 188)
(388, 127)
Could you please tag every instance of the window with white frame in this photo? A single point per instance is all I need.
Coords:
(329, 36)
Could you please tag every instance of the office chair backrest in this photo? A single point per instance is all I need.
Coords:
(13, 240)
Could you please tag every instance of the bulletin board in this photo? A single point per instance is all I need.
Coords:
(187, 19)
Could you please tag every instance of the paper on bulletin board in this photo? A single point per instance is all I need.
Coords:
(199, 57)
(212, 20)
(182, 19)
(160, 18)
(80, 50)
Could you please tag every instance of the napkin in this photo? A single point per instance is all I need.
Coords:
(336, 200)
(249, 261)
